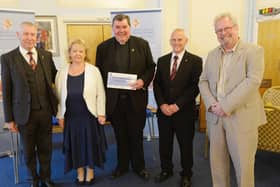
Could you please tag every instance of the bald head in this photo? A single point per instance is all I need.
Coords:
(178, 40)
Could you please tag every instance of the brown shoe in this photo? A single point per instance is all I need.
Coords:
(143, 174)
(118, 173)
(186, 182)
(163, 176)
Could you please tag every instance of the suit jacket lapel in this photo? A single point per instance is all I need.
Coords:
(234, 59)
(44, 65)
(218, 65)
(131, 52)
(19, 60)
(183, 64)
(236, 54)
(167, 65)
(112, 49)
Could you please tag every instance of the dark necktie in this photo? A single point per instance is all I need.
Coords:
(174, 68)
(31, 62)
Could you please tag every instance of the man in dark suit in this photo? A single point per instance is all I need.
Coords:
(126, 109)
(175, 89)
(29, 101)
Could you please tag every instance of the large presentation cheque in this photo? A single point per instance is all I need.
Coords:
(121, 80)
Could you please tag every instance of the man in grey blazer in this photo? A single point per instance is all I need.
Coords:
(229, 87)
(29, 102)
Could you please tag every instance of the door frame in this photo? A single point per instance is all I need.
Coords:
(81, 21)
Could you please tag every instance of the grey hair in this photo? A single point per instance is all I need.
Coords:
(225, 15)
(27, 23)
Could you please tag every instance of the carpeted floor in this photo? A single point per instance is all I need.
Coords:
(267, 167)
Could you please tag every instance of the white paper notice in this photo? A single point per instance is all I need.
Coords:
(121, 80)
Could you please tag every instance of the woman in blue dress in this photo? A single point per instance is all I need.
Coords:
(81, 112)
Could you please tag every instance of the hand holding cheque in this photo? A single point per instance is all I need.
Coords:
(124, 81)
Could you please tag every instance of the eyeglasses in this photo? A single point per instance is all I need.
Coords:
(226, 29)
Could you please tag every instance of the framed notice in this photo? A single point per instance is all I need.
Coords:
(47, 36)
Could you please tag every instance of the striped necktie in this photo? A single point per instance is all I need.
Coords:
(31, 62)
(174, 68)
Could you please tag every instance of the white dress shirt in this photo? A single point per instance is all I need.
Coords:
(180, 56)
(26, 56)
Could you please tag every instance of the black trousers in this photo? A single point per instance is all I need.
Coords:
(36, 137)
(181, 124)
(128, 127)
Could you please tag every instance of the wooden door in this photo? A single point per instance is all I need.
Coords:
(107, 32)
(269, 38)
(92, 34)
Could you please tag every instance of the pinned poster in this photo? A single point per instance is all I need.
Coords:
(147, 25)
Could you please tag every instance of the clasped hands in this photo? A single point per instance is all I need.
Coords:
(169, 110)
(217, 109)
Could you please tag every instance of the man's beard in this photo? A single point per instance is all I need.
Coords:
(226, 41)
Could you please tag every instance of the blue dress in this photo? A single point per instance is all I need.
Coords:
(84, 141)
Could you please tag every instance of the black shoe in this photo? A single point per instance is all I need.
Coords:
(35, 183)
(47, 183)
(78, 182)
(186, 182)
(163, 176)
(118, 173)
(90, 182)
(143, 174)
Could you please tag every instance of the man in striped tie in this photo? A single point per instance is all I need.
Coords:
(29, 101)
(175, 89)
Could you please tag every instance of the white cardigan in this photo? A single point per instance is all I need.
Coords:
(93, 93)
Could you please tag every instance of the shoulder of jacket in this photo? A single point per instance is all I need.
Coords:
(12, 52)
(91, 67)
(214, 51)
(196, 57)
(166, 56)
(247, 45)
(63, 69)
(43, 51)
(106, 42)
(138, 39)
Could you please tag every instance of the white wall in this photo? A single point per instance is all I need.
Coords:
(169, 20)
(71, 11)
(139, 4)
(267, 3)
(202, 35)
(193, 15)
(196, 18)
(8, 3)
